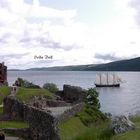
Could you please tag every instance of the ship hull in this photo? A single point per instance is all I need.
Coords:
(113, 85)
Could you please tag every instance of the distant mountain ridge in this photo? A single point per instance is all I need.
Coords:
(65, 68)
(122, 65)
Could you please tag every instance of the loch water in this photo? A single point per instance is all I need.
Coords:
(122, 100)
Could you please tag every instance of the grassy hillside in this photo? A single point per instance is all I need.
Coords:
(4, 91)
(26, 94)
(70, 128)
(73, 129)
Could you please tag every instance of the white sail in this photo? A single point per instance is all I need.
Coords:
(107, 79)
(104, 79)
(110, 79)
(98, 79)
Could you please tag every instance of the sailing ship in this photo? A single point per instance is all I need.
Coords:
(107, 80)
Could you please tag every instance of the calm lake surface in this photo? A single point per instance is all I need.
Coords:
(122, 100)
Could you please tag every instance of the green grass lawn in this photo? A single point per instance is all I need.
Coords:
(4, 91)
(73, 129)
(13, 124)
(26, 94)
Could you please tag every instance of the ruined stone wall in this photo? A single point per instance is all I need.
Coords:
(56, 103)
(13, 108)
(43, 126)
(72, 94)
(3, 74)
(71, 112)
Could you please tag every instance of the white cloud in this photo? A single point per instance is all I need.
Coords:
(135, 4)
(29, 28)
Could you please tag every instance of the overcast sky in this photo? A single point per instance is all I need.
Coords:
(62, 32)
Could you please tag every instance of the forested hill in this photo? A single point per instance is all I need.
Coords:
(123, 65)
(65, 68)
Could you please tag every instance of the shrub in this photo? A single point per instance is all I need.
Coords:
(24, 83)
(51, 87)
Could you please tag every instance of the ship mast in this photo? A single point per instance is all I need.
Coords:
(113, 78)
(107, 78)
(100, 79)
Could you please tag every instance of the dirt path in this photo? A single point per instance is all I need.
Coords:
(58, 110)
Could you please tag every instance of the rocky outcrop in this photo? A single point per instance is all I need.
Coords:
(72, 94)
(121, 124)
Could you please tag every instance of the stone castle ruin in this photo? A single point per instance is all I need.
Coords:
(3, 74)
(43, 115)
(42, 125)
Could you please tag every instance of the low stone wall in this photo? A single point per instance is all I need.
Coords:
(71, 112)
(42, 103)
(42, 125)
(5, 117)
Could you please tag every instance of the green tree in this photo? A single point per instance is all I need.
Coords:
(92, 99)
